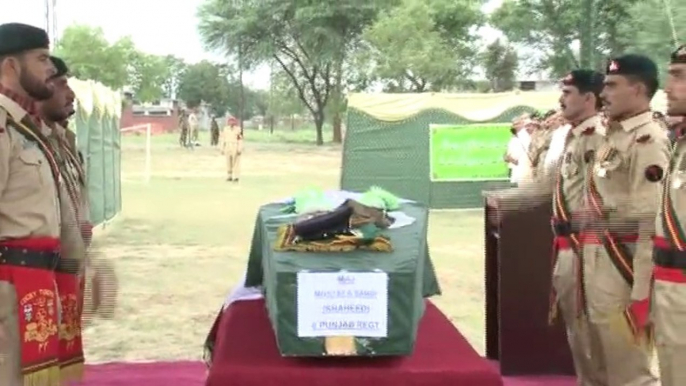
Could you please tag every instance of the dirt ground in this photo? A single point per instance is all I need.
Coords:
(181, 243)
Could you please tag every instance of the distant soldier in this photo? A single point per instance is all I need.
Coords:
(214, 128)
(183, 127)
(540, 142)
(193, 126)
(30, 180)
(232, 148)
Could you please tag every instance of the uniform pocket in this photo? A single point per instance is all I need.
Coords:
(31, 164)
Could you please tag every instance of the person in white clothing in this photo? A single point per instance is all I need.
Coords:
(517, 148)
(557, 145)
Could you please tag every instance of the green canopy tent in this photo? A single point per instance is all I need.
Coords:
(96, 123)
(439, 149)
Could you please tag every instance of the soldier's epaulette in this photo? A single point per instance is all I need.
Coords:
(588, 131)
(645, 138)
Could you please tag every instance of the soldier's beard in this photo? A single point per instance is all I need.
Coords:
(36, 89)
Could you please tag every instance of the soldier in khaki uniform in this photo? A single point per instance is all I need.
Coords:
(538, 149)
(621, 200)
(232, 148)
(29, 213)
(183, 127)
(669, 292)
(214, 132)
(565, 181)
(76, 228)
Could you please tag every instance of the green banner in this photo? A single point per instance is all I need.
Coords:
(468, 152)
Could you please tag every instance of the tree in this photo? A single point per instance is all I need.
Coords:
(175, 69)
(90, 56)
(651, 32)
(423, 45)
(552, 27)
(306, 39)
(148, 76)
(205, 82)
(500, 64)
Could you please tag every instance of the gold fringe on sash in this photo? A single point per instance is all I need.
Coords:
(48, 376)
(623, 324)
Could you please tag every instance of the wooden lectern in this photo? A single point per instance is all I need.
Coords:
(518, 275)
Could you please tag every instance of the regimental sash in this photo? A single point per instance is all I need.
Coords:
(562, 214)
(619, 254)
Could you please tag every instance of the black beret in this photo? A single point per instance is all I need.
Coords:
(585, 81)
(60, 66)
(679, 55)
(632, 64)
(16, 38)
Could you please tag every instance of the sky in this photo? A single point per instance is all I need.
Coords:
(156, 26)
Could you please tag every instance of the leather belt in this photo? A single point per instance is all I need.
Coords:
(669, 258)
(563, 228)
(68, 266)
(27, 258)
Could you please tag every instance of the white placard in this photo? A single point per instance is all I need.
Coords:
(342, 304)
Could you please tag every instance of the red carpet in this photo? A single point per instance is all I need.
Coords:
(193, 374)
(246, 354)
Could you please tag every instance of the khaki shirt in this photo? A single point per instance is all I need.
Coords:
(231, 139)
(569, 171)
(634, 149)
(29, 204)
(540, 143)
(675, 186)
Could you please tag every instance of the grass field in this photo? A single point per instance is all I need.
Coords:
(182, 240)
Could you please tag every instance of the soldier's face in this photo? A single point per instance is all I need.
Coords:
(675, 88)
(571, 103)
(61, 105)
(34, 71)
(618, 95)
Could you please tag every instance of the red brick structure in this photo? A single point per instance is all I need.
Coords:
(163, 118)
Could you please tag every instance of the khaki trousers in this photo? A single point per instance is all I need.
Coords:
(233, 163)
(669, 319)
(627, 363)
(583, 339)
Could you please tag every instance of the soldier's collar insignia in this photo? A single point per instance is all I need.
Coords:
(643, 139)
